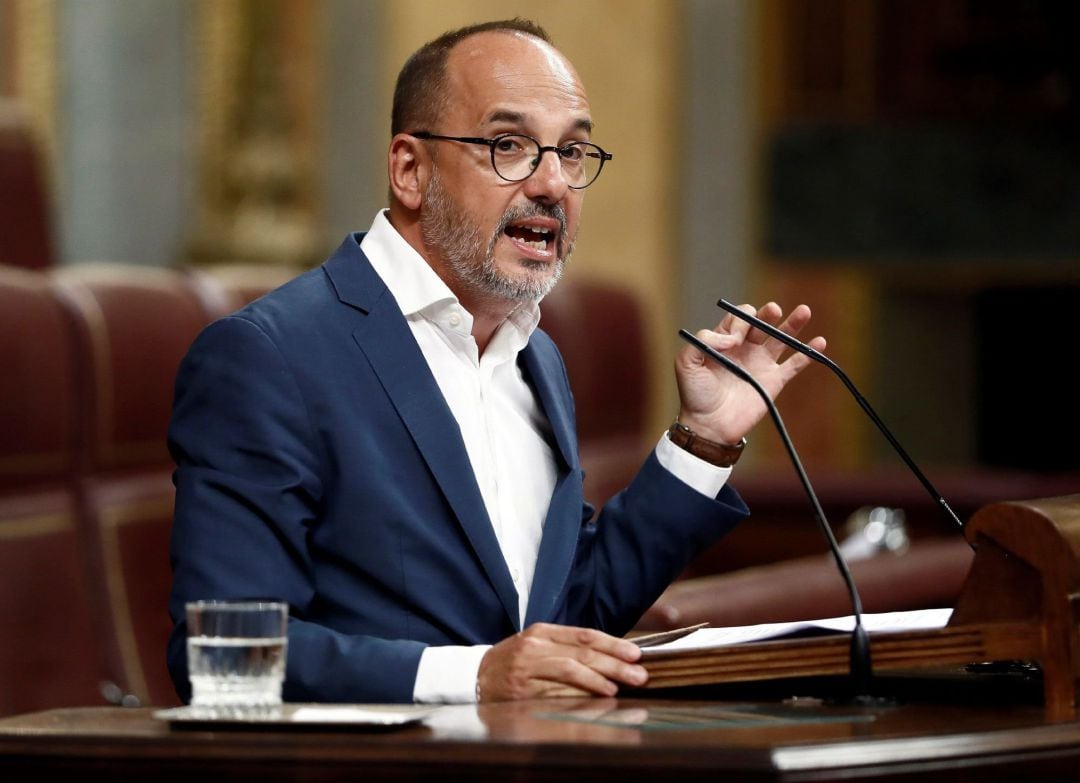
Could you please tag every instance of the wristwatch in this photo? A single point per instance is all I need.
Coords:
(720, 454)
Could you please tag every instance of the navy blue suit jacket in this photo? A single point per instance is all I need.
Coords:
(318, 463)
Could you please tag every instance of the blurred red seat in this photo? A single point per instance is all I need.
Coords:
(47, 633)
(929, 574)
(131, 327)
(599, 329)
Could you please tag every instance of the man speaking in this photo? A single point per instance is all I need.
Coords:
(388, 442)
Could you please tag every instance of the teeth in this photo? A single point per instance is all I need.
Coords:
(543, 232)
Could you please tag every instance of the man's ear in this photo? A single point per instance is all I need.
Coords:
(409, 168)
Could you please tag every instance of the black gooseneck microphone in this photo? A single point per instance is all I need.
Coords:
(861, 666)
(817, 356)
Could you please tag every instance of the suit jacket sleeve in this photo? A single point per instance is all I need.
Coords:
(643, 538)
(640, 543)
(248, 490)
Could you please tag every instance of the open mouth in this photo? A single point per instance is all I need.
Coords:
(534, 235)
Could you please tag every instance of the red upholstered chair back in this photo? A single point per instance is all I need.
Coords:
(47, 631)
(131, 326)
(599, 329)
(25, 211)
(37, 391)
(930, 574)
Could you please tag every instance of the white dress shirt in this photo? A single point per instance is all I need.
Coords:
(507, 436)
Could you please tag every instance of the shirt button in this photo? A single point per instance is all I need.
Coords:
(454, 320)
(515, 575)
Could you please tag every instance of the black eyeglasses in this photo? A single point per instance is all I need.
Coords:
(515, 156)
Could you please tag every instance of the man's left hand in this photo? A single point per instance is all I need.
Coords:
(717, 405)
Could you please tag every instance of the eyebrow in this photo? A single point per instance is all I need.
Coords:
(517, 118)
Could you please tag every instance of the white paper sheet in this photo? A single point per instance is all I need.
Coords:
(917, 620)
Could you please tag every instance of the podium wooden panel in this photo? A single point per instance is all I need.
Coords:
(1021, 601)
(621, 741)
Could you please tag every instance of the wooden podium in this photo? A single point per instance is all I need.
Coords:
(1021, 601)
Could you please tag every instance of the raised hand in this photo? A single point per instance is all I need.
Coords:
(714, 403)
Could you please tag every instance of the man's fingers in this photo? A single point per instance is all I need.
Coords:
(796, 320)
(567, 671)
(591, 671)
(559, 660)
(770, 313)
(736, 326)
(610, 667)
(791, 325)
(691, 358)
(609, 656)
(586, 639)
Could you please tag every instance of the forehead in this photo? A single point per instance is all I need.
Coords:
(512, 73)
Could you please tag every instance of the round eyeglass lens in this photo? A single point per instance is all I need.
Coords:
(516, 157)
(581, 163)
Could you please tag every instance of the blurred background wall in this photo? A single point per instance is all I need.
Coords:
(909, 169)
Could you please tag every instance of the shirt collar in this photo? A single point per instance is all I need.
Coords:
(416, 287)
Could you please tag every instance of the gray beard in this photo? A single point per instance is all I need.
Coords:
(446, 226)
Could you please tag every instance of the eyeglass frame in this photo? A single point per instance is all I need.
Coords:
(490, 143)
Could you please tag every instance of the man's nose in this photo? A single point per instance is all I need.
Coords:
(547, 183)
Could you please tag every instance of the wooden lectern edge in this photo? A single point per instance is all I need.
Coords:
(1021, 601)
(1032, 568)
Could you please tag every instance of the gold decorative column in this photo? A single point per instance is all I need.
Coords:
(257, 101)
(33, 76)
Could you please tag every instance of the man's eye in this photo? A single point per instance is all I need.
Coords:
(572, 154)
(509, 146)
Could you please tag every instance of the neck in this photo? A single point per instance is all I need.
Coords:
(488, 311)
(488, 315)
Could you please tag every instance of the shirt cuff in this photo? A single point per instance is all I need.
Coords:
(706, 478)
(447, 675)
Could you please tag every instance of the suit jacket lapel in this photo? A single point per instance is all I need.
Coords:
(562, 526)
(384, 337)
(547, 379)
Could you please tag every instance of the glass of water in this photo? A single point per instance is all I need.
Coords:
(236, 654)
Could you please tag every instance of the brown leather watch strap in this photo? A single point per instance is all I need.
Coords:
(719, 454)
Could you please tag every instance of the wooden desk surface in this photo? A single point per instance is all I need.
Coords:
(598, 739)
